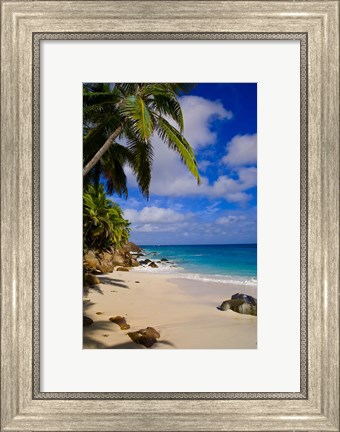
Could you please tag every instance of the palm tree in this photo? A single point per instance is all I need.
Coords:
(98, 122)
(134, 112)
(104, 224)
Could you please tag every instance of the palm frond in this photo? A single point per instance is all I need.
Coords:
(97, 135)
(142, 158)
(163, 99)
(180, 88)
(170, 107)
(176, 141)
(136, 110)
(112, 165)
(138, 116)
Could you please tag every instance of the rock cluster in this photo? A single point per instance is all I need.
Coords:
(241, 303)
(105, 262)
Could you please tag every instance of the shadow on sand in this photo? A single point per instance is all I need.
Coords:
(118, 283)
(89, 342)
(114, 282)
(86, 305)
(90, 334)
(92, 288)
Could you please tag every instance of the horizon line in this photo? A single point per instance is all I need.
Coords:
(202, 244)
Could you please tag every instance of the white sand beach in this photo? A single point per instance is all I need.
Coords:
(182, 310)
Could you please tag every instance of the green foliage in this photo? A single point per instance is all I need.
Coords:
(141, 109)
(103, 221)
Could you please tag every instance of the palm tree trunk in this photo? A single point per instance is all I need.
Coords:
(102, 150)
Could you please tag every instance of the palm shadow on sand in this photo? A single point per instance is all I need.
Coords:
(86, 305)
(118, 283)
(92, 288)
(114, 282)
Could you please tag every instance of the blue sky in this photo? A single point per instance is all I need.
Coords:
(220, 122)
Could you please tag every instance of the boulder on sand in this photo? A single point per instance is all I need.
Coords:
(247, 298)
(153, 265)
(90, 260)
(241, 303)
(87, 321)
(146, 337)
(121, 321)
(164, 260)
(90, 279)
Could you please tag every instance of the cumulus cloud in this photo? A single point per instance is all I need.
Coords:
(153, 219)
(229, 227)
(155, 228)
(234, 189)
(241, 150)
(198, 114)
(229, 188)
(171, 225)
(247, 176)
(153, 214)
(171, 178)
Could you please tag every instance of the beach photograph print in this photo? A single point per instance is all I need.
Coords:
(169, 215)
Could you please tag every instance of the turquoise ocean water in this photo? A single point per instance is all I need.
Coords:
(224, 263)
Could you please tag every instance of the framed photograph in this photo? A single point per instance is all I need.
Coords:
(171, 207)
(170, 215)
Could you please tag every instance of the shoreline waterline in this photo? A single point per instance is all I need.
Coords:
(210, 263)
(203, 277)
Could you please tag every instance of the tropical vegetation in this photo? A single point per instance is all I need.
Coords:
(103, 221)
(119, 123)
(132, 114)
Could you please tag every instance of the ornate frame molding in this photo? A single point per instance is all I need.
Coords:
(316, 24)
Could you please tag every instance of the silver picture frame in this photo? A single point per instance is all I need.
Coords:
(315, 24)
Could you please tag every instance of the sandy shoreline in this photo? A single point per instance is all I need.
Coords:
(182, 310)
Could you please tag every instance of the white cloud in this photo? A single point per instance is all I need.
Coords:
(171, 178)
(156, 228)
(153, 214)
(169, 175)
(231, 189)
(198, 114)
(234, 189)
(241, 150)
(204, 164)
(231, 227)
(227, 220)
(152, 219)
(247, 176)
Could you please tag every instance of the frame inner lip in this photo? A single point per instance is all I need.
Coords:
(303, 38)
